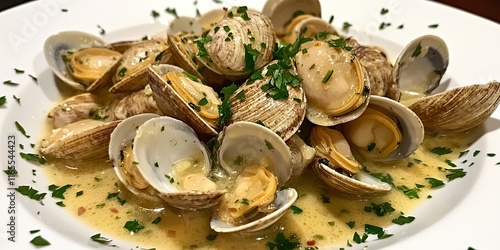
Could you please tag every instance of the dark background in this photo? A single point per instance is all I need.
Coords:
(489, 9)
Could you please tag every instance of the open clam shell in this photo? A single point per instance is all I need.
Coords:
(57, 45)
(458, 109)
(132, 72)
(284, 199)
(307, 26)
(421, 65)
(386, 131)
(282, 116)
(281, 12)
(260, 162)
(122, 135)
(254, 144)
(81, 140)
(172, 104)
(360, 185)
(169, 155)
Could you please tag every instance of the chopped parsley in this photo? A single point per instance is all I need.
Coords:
(383, 25)
(296, 210)
(401, 26)
(325, 199)
(79, 193)
(433, 26)
(203, 101)
(241, 95)
(3, 100)
(194, 107)
(476, 153)
(371, 146)
(10, 83)
(339, 43)
(211, 237)
(351, 224)
(417, 51)
(225, 113)
(101, 239)
(327, 76)
(384, 11)
(58, 192)
(18, 100)
(346, 26)
(441, 150)
(455, 173)
(401, 220)
(33, 157)
(490, 154)
(155, 14)
(245, 201)
(282, 243)
(251, 55)
(21, 129)
(60, 203)
(410, 193)
(122, 71)
(202, 51)
(31, 193)
(450, 163)
(172, 11)
(358, 239)
(34, 231)
(381, 234)
(380, 209)
(39, 241)
(269, 145)
(156, 221)
(387, 178)
(101, 30)
(191, 76)
(434, 182)
(133, 226)
(330, 21)
(18, 71)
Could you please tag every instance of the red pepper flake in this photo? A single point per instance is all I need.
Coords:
(224, 8)
(171, 233)
(114, 210)
(311, 242)
(81, 210)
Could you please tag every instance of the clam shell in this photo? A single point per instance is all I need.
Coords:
(56, 44)
(283, 116)
(172, 104)
(284, 199)
(73, 109)
(308, 25)
(162, 141)
(363, 185)
(257, 145)
(81, 140)
(226, 56)
(421, 65)
(126, 131)
(410, 125)
(302, 155)
(135, 103)
(458, 109)
(138, 79)
(281, 12)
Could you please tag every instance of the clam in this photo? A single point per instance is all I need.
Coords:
(135, 103)
(131, 73)
(421, 65)
(253, 104)
(378, 69)
(306, 26)
(386, 131)
(121, 155)
(258, 161)
(81, 140)
(337, 167)
(241, 42)
(335, 83)
(170, 158)
(80, 60)
(183, 96)
(282, 12)
(458, 109)
(302, 155)
(73, 109)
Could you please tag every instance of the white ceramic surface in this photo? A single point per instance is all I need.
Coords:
(463, 214)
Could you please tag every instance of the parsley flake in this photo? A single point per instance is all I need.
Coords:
(33, 157)
(441, 150)
(401, 220)
(417, 51)
(21, 129)
(133, 226)
(39, 241)
(172, 11)
(101, 239)
(295, 209)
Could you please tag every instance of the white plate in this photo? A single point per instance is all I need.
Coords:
(463, 214)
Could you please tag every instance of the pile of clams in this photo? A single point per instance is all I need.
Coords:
(152, 106)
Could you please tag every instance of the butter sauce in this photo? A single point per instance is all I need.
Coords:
(323, 221)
